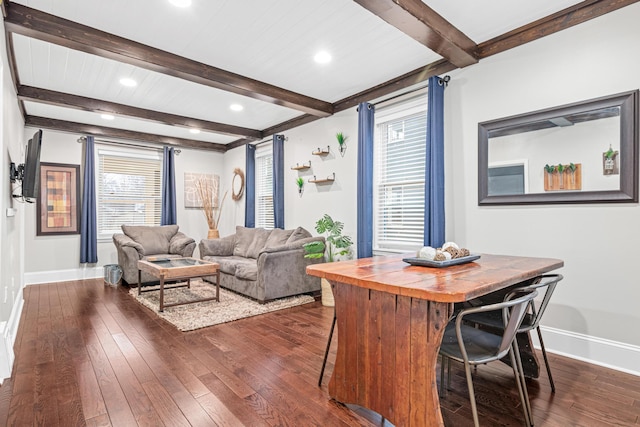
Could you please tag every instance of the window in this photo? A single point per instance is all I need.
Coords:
(129, 188)
(399, 166)
(264, 187)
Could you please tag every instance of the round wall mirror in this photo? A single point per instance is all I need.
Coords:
(237, 184)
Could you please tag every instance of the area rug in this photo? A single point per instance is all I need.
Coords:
(202, 314)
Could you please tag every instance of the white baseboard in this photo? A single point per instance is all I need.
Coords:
(8, 333)
(598, 351)
(63, 275)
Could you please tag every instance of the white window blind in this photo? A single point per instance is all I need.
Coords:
(399, 166)
(264, 187)
(129, 189)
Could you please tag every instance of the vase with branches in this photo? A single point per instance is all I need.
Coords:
(207, 192)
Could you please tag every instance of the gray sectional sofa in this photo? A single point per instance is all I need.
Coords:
(263, 264)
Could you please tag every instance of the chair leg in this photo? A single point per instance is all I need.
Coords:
(521, 382)
(472, 395)
(546, 361)
(326, 352)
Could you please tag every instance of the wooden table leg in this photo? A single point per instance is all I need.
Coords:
(218, 285)
(161, 293)
(387, 353)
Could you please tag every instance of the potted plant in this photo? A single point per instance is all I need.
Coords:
(300, 184)
(561, 169)
(342, 142)
(550, 169)
(609, 161)
(336, 245)
(572, 171)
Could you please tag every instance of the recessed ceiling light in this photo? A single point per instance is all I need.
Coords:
(128, 82)
(107, 116)
(236, 107)
(180, 3)
(194, 131)
(322, 57)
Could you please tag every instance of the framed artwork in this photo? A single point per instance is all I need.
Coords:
(191, 196)
(58, 207)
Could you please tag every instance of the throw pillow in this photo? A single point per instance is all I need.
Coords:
(260, 236)
(278, 237)
(298, 233)
(244, 237)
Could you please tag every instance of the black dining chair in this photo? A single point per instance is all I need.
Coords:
(473, 346)
(545, 285)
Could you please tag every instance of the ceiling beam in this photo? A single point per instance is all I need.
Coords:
(558, 21)
(52, 29)
(425, 25)
(86, 129)
(50, 97)
(404, 81)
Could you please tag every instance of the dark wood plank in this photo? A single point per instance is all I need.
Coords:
(86, 367)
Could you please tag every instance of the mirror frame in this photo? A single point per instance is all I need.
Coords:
(628, 192)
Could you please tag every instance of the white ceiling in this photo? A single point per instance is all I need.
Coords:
(272, 41)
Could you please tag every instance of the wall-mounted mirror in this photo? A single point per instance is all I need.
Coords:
(586, 152)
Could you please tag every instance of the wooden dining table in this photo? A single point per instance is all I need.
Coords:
(391, 318)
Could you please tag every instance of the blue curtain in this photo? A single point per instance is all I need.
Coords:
(168, 215)
(278, 181)
(434, 170)
(250, 201)
(365, 180)
(88, 221)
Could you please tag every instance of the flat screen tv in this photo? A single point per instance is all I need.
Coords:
(31, 177)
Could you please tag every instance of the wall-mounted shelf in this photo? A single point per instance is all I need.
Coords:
(321, 151)
(301, 167)
(323, 181)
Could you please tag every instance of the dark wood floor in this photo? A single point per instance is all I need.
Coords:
(87, 354)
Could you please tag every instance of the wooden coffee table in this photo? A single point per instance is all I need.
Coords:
(171, 269)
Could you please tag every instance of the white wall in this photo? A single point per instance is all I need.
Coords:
(337, 199)
(11, 227)
(598, 242)
(57, 258)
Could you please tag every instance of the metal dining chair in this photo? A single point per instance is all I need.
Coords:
(473, 346)
(545, 285)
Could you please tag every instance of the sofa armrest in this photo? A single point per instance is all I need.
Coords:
(123, 241)
(217, 247)
(283, 273)
(298, 244)
(181, 244)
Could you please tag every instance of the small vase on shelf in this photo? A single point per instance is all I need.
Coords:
(213, 233)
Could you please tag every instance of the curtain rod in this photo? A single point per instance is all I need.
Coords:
(441, 81)
(83, 139)
(267, 141)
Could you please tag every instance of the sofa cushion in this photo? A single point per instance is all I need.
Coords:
(154, 239)
(278, 237)
(242, 268)
(247, 269)
(244, 238)
(298, 233)
(260, 236)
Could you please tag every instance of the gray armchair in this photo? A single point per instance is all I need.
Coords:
(140, 242)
